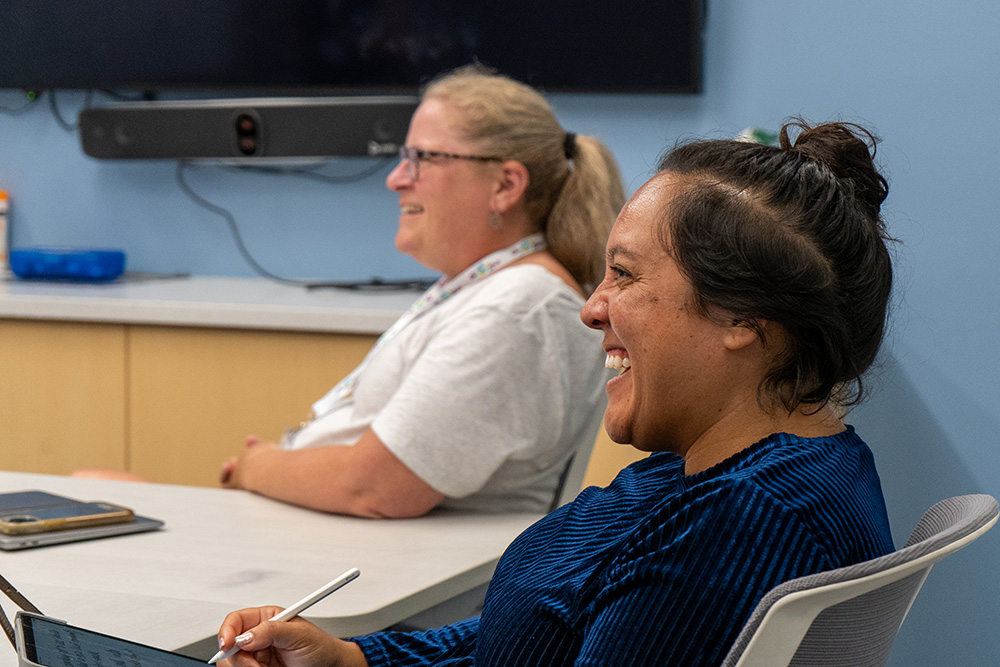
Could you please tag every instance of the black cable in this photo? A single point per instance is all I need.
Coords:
(375, 284)
(14, 111)
(62, 122)
(231, 222)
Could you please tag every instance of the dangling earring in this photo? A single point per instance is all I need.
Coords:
(496, 221)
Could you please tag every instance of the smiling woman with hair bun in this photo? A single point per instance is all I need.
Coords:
(753, 479)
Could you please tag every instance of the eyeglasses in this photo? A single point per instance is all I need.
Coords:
(413, 157)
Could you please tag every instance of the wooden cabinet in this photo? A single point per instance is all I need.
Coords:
(62, 396)
(168, 403)
(195, 394)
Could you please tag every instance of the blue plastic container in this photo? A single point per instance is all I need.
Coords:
(76, 264)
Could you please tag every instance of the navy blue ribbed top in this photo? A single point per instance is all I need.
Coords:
(663, 568)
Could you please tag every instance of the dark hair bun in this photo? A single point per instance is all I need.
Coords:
(848, 150)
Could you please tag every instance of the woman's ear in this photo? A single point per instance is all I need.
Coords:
(511, 185)
(741, 334)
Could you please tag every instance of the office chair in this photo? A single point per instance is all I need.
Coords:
(572, 476)
(849, 617)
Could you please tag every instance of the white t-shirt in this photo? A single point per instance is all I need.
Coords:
(485, 396)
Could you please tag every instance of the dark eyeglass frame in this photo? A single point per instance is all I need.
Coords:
(413, 156)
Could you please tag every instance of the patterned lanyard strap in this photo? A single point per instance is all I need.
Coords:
(437, 294)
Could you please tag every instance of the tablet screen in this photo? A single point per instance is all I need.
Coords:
(55, 644)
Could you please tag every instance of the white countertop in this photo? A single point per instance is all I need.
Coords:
(206, 301)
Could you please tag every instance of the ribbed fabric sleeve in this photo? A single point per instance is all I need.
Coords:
(660, 568)
(451, 646)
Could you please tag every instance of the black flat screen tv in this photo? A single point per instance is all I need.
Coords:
(347, 46)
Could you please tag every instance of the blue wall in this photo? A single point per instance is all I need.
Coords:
(925, 75)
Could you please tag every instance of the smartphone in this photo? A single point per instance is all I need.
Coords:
(62, 517)
(48, 642)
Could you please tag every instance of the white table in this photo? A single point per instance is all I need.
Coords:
(222, 550)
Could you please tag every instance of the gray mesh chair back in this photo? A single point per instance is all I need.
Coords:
(849, 617)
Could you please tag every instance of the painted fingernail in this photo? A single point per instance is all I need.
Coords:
(244, 639)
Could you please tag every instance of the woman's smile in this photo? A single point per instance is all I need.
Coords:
(618, 359)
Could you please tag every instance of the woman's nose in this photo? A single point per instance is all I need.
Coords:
(399, 177)
(595, 311)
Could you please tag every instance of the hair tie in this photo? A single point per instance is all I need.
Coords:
(569, 145)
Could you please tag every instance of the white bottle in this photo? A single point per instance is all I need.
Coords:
(4, 228)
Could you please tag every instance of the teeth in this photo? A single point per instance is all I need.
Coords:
(412, 208)
(614, 361)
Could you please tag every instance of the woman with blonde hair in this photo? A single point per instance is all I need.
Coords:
(481, 393)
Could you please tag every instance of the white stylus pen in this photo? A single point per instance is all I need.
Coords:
(299, 607)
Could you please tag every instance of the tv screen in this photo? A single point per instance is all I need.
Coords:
(347, 46)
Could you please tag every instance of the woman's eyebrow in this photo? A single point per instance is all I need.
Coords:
(616, 251)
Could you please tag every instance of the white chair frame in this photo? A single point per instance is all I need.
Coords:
(849, 617)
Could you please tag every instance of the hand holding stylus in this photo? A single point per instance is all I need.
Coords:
(294, 610)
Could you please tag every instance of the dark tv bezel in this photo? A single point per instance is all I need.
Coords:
(55, 76)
